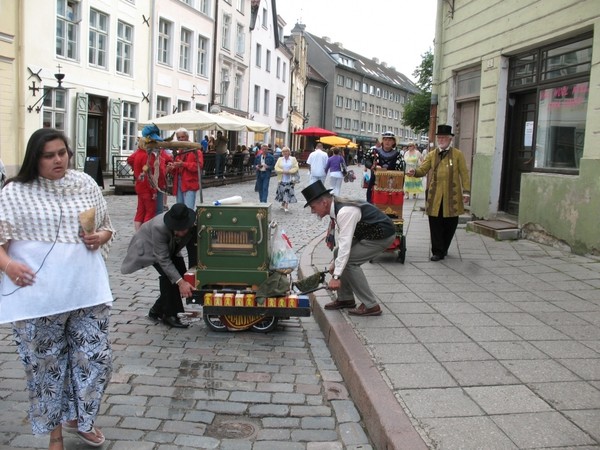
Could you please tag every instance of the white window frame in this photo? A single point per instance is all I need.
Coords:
(55, 107)
(164, 41)
(240, 47)
(124, 56)
(129, 114)
(266, 100)
(258, 58)
(202, 56)
(256, 98)
(237, 91)
(67, 29)
(226, 32)
(98, 39)
(186, 37)
(162, 106)
(268, 61)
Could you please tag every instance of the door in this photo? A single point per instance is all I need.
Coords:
(467, 131)
(96, 142)
(519, 153)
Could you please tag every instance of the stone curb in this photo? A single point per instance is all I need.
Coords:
(388, 425)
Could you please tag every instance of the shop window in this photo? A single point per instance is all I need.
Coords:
(562, 112)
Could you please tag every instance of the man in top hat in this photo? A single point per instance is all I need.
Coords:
(449, 188)
(158, 243)
(361, 232)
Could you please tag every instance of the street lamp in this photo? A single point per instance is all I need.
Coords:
(59, 78)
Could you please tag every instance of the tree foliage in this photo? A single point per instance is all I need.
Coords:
(417, 108)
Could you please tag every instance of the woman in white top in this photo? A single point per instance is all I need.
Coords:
(286, 166)
(55, 287)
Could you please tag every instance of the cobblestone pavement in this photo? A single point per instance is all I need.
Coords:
(193, 388)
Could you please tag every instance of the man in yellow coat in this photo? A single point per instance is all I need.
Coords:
(449, 187)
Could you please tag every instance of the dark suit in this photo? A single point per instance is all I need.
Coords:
(156, 245)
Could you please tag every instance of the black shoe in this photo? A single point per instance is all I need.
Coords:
(174, 322)
(436, 258)
(153, 314)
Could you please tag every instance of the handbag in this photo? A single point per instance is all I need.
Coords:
(344, 167)
(295, 178)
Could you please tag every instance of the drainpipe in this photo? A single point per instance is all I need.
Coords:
(213, 82)
(437, 51)
(151, 58)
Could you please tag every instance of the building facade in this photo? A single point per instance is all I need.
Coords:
(523, 98)
(364, 97)
(270, 75)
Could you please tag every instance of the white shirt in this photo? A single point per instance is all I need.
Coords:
(345, 224)
(58, 287)
(317, 161)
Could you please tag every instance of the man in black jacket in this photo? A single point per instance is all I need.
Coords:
(158, 243)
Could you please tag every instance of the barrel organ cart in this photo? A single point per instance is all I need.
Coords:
(233, 261)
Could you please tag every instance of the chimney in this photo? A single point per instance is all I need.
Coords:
(376, 60)
(327, 39)
(340, 45)
(384, 64)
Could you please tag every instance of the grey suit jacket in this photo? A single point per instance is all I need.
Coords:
(152, 244)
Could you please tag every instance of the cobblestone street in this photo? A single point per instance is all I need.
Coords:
(195, 388)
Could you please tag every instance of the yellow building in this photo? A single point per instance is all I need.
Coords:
(519, 82)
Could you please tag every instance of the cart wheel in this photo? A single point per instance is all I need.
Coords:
(214, 322)
(265, 325)
(402, 250)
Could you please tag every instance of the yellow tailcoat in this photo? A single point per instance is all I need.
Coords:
(448, 180)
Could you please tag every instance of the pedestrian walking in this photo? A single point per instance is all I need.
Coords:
(55, 233)
(449, 189)
(334, 168)
(316, 161)
(264, 164)
(286, 167)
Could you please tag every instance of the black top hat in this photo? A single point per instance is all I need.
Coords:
(444, 130)
(314, 191)
(179, 217)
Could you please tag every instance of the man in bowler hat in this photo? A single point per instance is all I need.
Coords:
(362, 232)
(158, 243)
(449, 188)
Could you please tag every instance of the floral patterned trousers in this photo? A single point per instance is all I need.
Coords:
(68, 364)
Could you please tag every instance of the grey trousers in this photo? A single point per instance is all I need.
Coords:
(355, 285)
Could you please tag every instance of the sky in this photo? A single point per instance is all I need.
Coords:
(397, 32)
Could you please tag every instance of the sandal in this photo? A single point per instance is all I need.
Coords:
(95, 433)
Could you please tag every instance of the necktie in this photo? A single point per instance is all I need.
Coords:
(330, 238)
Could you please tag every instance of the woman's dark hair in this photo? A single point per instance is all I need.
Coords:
(336, 151)
(35, 147)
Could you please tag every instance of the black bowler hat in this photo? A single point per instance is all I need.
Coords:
(179, 217)
(314, 191)
(444, 130)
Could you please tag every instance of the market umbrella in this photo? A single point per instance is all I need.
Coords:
(250, 125)
(337, 141)
(194, 120)
(315, 132)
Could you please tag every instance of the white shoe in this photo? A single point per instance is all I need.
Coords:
(285, 210)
